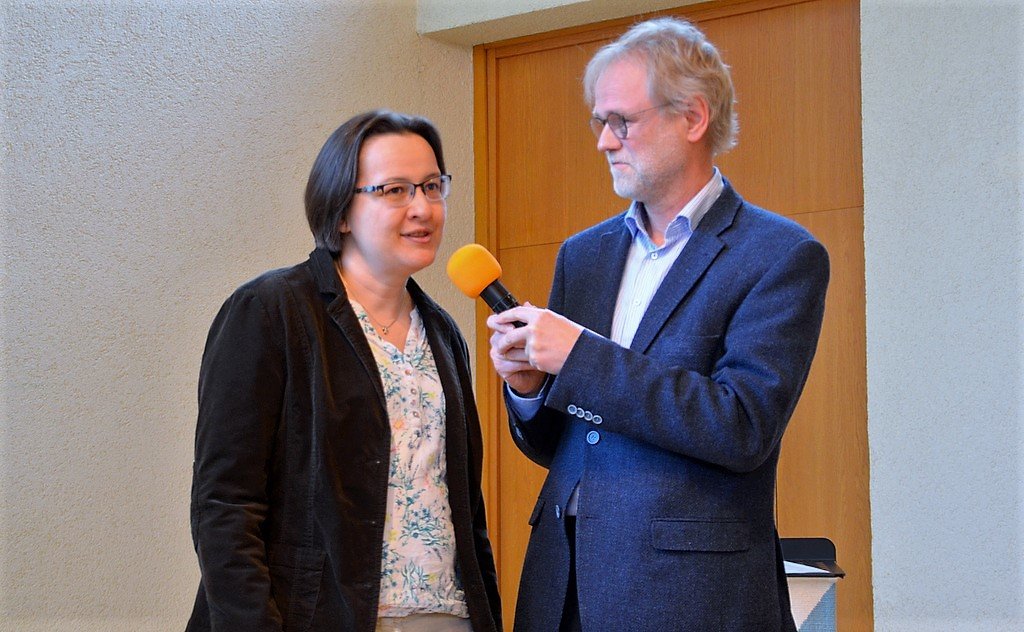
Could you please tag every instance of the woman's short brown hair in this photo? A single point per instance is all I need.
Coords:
(332, 180)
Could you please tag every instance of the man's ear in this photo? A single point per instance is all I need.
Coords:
(698, 117)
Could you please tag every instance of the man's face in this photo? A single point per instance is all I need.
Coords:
(648, 162)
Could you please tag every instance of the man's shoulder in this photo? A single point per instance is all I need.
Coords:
(596, 232)
(759, 224)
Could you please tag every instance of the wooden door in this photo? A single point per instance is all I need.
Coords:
(540, 179)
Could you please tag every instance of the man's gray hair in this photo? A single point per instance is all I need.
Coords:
(681, 63)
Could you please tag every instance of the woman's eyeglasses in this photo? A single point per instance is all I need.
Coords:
(401, 193)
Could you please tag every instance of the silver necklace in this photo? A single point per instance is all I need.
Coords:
(384, 329)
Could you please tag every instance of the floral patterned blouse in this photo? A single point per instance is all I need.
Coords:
(418, 563)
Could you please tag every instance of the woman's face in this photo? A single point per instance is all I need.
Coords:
(391, 243)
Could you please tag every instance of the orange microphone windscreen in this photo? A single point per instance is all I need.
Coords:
(472, 268)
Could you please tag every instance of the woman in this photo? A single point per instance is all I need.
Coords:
(336, 483)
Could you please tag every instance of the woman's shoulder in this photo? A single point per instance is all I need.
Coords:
(278, 280)
(276, 289)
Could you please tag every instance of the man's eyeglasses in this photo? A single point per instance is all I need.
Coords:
(401, 193)
(619, 123)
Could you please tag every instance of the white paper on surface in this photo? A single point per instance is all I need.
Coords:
(802, 569)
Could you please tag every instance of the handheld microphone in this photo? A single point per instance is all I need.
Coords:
(477, 273)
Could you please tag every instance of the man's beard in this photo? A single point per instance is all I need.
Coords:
(628, 185)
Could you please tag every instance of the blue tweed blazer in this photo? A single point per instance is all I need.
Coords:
(674, 441)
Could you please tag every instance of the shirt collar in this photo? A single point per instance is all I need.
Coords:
(688, 218)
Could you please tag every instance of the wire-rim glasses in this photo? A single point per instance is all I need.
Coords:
(618, 123)
(401, 192)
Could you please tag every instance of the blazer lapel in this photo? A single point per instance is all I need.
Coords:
(702, 248)
(456, 436)
(603, 288)
(444, 360)
(340, 311)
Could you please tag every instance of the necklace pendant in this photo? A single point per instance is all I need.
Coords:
(384, 330)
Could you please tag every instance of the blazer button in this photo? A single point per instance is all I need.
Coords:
(580, 413)
(572, 409)
(598, 419)
(588, 415)
(558, 512)
(593, 437)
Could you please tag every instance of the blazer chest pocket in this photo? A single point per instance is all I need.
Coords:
(700, 535)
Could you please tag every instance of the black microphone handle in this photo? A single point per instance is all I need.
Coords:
(499, 299)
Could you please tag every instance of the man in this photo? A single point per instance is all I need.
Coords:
(657, 385)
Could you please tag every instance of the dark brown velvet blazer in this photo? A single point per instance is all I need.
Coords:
(291, 463)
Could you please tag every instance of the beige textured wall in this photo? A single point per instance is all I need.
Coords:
(943, 107)
(154, 158)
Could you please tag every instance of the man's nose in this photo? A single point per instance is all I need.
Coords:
(607, 140)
